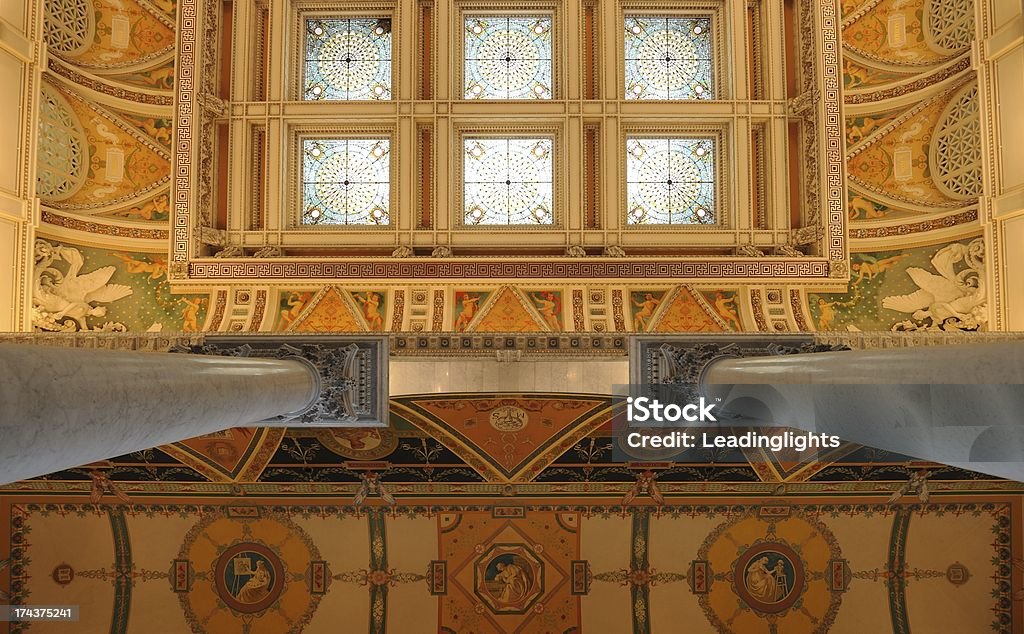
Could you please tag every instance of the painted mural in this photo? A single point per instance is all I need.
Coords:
(120, 164)
(290, 307)
(159, 128)
(506, 513)
(549, 304)
(512, 311)
(688, 310)
(726, 307)
(896, 32)
(372, 307)
(859, 128)
(158, 78)
(511, 308)
(88, 288)
(937, 288)
(154, 209)
(863, 207)
(860, 76)
(896, 161)
(720, 565)
(112, 35)
(467, 305)
(643, 305)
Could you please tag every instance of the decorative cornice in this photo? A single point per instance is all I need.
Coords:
(88, 226)
(508, 345)
(146, 342)
(961, 218)
(62, 68)
(508, 268)
(930, 79)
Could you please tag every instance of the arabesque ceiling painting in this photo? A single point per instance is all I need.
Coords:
(484, 513)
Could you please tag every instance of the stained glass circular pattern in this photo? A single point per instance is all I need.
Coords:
(508, 181)
(670, 181)
(507, 57)
(345, 181)
(669, 58)
(348, 59)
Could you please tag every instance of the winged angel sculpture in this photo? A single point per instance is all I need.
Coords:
(948, 299)
(64, 301)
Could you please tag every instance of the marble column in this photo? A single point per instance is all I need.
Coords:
(66, 407)
(961, 405)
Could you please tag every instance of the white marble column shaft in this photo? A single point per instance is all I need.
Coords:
(1000, 362)
(961, 405)
(66, 407)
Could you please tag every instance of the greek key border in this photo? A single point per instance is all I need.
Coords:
(831, 92)
(184, 101)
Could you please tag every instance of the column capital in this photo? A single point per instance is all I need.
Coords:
(681, 361)
(352, 373)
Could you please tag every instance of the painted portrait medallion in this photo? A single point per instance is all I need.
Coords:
(509, 578)
(769, 577)
(248, 577)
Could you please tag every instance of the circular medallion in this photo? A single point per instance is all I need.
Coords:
(509, 578)
(63, 574)
(509, 418)
(957, 574)
(769, 577)
(248, 577)
(755, 589)
(268, 582)
(364, 443)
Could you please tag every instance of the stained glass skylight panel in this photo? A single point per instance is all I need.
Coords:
(345, 181)
(508, 181)
(347, 59)
(669, 58)
(670, 181)
(507, 57)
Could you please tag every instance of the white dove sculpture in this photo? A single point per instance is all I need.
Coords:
(73, 296)
(939, 296)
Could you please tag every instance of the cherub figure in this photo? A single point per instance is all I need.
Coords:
(371, 310)
(548, 307)
(156, 268)
(726, 307)
(295, 302)
(826, 314)
(190, 313)
(869, 267)
(647, 307)
(470, 304)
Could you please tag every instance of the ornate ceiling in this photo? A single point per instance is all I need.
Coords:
(913, 166)
(410, 529)
(861, 540)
